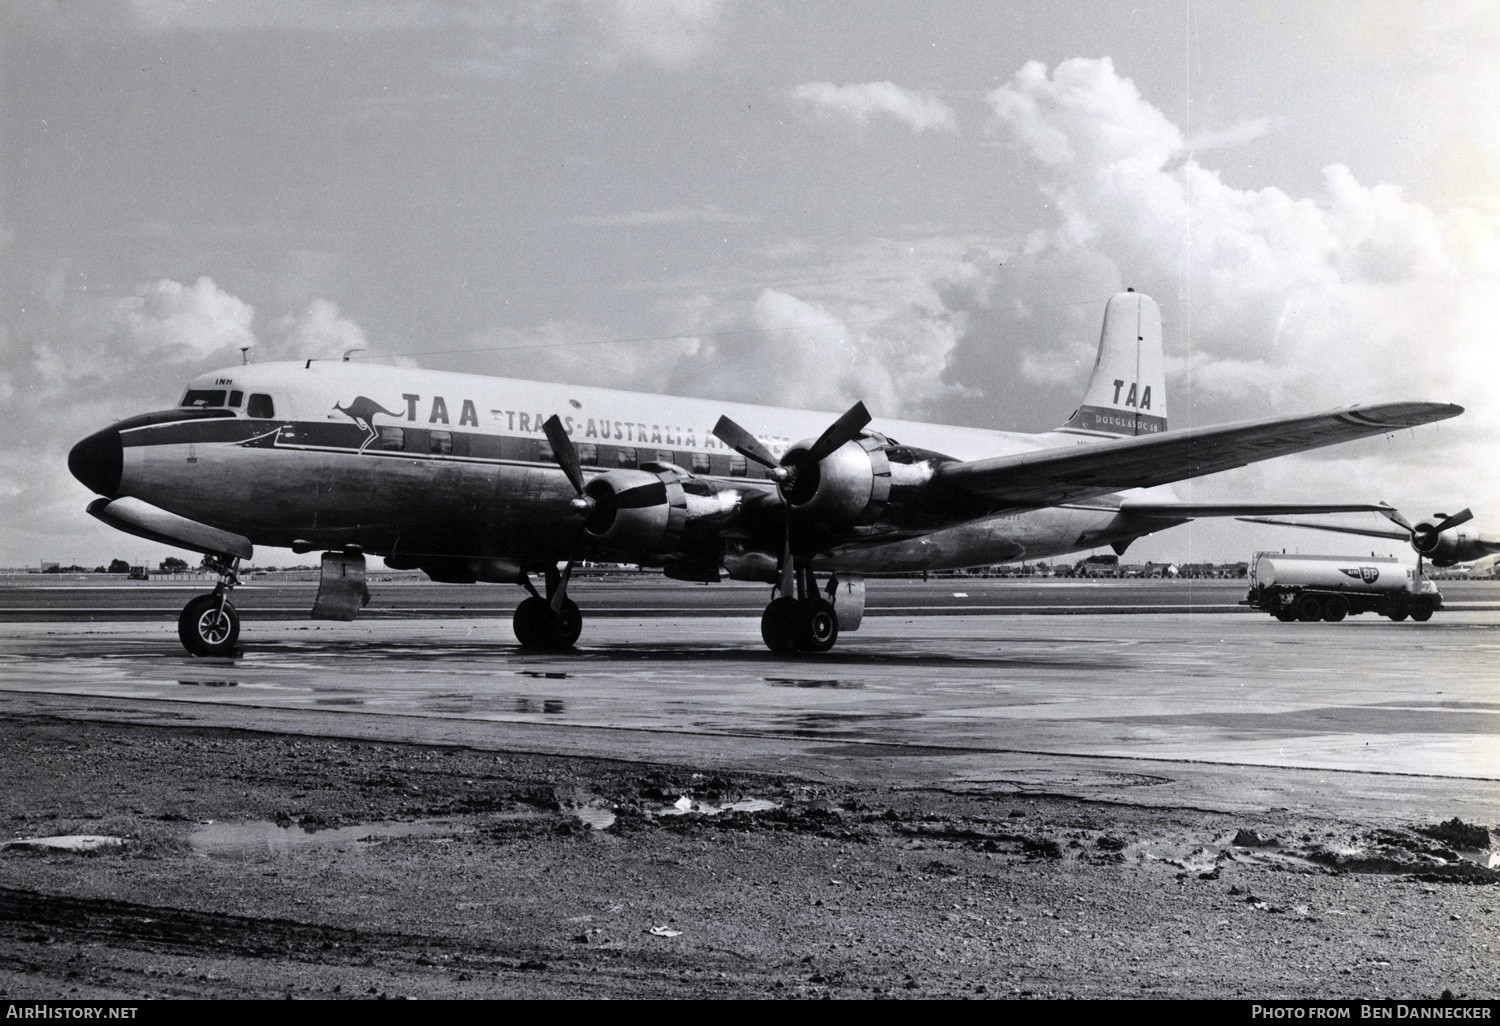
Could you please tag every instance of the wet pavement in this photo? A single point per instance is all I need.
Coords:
(1084, 704)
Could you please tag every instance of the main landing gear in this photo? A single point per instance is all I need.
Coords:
(550, 624)
(806, 623)
(208, 624)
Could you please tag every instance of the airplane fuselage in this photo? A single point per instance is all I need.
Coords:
(416, 464)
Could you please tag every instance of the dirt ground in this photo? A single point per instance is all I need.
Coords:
(390, 870)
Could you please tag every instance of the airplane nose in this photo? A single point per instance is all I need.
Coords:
(98, 461)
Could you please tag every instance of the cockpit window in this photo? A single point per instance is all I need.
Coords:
(235, 398)
(202, 398)
(260, 405)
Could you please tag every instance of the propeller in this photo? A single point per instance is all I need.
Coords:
(1425, 531)
(845, 429)
(566, 455)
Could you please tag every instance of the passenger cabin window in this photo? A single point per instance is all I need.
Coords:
(588, 454)
(544, 452)
(442, 443)
(663, 456)
(202, 398)
(392, 438)
(260, 405)
(235, 398)
(700, 463)
(736, 466)
(626, 456)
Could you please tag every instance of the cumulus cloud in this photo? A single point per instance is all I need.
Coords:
(860, 102)
(319, 332)
(1274, 303)
(171, 319)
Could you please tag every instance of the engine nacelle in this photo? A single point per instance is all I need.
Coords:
(850, 486)
(1454, 545)
(637, 511)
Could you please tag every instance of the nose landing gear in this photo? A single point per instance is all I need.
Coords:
(209, 624)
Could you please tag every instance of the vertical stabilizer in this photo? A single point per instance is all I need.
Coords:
(1127, 394)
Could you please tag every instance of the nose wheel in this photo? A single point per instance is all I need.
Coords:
(209, 624)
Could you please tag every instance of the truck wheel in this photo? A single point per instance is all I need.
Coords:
(1335, 609)
(1309, 609)
(1421, 613)
(1286, 614)
(1398, 615)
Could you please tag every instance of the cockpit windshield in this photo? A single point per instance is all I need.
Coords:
(202, 398)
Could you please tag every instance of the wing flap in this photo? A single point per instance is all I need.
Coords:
(1394, 533)
(1051, 477)
(1243, 510)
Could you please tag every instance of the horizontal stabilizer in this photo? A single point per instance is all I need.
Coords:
(1052, 477)
(1242, 510)
(156, 524)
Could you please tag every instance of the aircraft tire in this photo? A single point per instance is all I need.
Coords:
(778, 626)
(1421, 612)
(1335, 609)
(566, 625)
(816, 626)
(204, 631)
(530, 622)
(1309, 609)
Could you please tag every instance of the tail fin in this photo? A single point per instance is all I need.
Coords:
(1128, 393)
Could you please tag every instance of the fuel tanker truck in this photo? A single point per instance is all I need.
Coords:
(1308, 588)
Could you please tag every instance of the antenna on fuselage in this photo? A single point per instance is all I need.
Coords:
(245, 354)
(352, 350)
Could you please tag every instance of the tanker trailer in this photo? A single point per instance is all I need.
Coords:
(1307, 588)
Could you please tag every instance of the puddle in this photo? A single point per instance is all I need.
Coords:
(210, 683)
(65, 842)
(265, 835)
(808, 682)
(599, 819)
(685, 805)
(531, 705)
(545, 676)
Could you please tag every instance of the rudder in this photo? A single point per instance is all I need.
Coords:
(1127, 392)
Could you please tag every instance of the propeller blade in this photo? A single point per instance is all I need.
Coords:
(1395, 517)
(564, 452)
(743, 442)
(845, 429)
(1463, 516)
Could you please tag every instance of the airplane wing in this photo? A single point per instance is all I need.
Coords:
(1240, 510)
(1369, 532)
(1051, 477)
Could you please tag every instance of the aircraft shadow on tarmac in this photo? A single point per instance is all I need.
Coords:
(648, 652)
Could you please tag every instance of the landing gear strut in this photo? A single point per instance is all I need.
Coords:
(806, 623)
(209, 625)
(550, 624)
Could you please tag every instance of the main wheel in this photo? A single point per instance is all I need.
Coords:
(1421, 612)
(207, 630)
(1309, 609)
(816, 626)
(566, 625)
(778, 626)
(530, 622)
(1335, 609)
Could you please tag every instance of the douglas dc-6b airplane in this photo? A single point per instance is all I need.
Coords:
(474, 478)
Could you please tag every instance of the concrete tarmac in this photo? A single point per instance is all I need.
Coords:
(1213, 710)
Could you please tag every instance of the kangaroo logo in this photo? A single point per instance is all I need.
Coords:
(362, 411)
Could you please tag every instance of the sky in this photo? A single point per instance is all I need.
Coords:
(924, 206)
